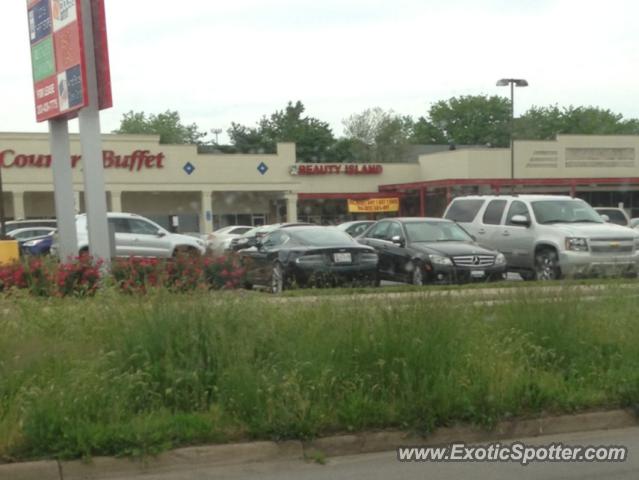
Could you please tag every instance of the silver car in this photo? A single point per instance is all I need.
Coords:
(548, 236)
(219, 241)
(137, 236)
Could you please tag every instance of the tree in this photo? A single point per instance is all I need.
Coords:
(313, 138)
(473, 120)
(167, 125)
(385, 133)
(350, 150)
(544, 123)
(426, 133)
(249, 140)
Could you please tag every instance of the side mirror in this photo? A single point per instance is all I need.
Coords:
(161, 233)
(397, 240)
(605, 217)
(520, 220)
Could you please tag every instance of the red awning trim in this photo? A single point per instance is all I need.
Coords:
(346, 196)
(505, 182)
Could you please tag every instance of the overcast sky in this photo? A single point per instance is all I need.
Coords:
(218, 61)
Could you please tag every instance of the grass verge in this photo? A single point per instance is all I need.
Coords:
(118, 375)
(401, 288)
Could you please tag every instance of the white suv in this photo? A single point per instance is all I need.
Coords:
(547, 236)
(137, 236)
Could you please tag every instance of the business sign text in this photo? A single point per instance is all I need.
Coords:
(57, 58)
(373, 205)
(335, 169)
(136, 161)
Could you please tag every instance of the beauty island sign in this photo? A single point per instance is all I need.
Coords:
(336, 169)
(134, 162)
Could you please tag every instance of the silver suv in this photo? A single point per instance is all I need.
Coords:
(546, 236)
(137, 236)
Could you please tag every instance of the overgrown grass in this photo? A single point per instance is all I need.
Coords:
(126, 375)
(401, 288)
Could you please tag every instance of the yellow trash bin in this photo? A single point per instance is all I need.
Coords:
(9, 251)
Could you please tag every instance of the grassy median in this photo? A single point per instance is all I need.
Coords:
(124, 375)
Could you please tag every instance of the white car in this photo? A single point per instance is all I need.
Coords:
(548, 236)
(614, 215)
(137, 236)
(220, 240)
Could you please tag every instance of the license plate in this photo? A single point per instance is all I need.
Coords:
(342, 258)
(477, 273)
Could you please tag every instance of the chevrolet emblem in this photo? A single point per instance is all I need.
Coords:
(614, 244)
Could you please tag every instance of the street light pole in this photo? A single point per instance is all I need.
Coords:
(519, 82)
(216, 132)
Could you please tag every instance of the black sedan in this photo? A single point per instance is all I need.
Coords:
(251, 238)
(430, 250)
(306, 255)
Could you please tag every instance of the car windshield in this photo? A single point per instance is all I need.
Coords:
(436, 232)
(323, 236)
(252, 232)
(564, 211)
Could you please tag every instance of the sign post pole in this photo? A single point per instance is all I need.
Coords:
(63, 188)
(91, 143)
(3, 218)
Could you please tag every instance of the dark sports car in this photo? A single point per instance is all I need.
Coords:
(425, 250)
(306, 255)
(249, 239)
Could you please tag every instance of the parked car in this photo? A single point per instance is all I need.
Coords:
(304, 254)
(38, 245)
(548, 236)
(138, 236)
(42, 222)
(356, 227)
(430, 250)
(251, 237)
(614, 215)
(27, 233)
(219, 241)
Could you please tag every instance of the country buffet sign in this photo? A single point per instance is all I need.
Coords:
(373, 205)
(135, 161)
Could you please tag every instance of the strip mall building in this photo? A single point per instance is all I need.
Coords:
(176, 185)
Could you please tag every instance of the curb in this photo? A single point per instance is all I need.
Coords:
(370, 442)
(353, 444)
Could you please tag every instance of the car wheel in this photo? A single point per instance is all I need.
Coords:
(277, 278)
(547, 265)
(417, 275)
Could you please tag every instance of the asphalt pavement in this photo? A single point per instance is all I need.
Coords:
(384, 466)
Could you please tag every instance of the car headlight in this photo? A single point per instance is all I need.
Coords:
(500, 259)
(440, 260)
(576, 244)
(32, 243)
